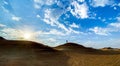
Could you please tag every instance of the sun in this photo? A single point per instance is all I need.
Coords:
(27, 36)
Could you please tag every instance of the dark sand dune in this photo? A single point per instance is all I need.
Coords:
(1, 38)
(27, 53)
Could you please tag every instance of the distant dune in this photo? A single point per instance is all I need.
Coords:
(69, 46)
(75, 48)
(28, 53)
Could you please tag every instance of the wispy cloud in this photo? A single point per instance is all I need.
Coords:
(2, 25)
(15, 18)
(51, 32)
(111, 27)
(51, 40)
(99, 30)
(11, 33)
(81, 0)
(101, 3)
(58, 32)
(48, 18)
(116, 25)
(39, 3)
(38, 16)
(52, 19)
(73, 25)
(5, 2)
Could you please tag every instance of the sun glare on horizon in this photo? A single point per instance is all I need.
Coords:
(27, 36)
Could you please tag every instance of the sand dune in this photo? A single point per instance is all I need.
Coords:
(74, 47)
(28, 53)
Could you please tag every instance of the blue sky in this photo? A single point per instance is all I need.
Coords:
(92, 23)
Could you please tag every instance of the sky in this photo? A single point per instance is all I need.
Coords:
(92, 23)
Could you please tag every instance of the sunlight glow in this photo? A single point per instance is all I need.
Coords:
(27, 36)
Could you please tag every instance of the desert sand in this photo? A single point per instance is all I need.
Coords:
(28, 53)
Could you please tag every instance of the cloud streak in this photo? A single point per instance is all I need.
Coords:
(112, 27)
(101, 3)
(15, 18)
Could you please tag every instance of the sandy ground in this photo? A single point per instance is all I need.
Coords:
(24, 53)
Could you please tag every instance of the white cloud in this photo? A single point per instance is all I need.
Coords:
(99, 18)
(80, 10)
(116, 25)
(101, 3)
(99, 31)
(2, 25)
(47, 2)
(48, 18)
(73, 25)
(52, 19)
(73, 31)
(63, 3)
(51, 39)
(118, 18)
(81, 0)
(62, 26)
(4, 9)
(38, 16)
(119, 4)
(103, 20)
(39, 3)
(50, 2)
(112, 27)
(114, 8)
(15, 18)
(55, 32)
(51, 32)
(11, 33)
(5, 2)
(37, 6)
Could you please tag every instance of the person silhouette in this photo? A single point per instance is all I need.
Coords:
(66, 41)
